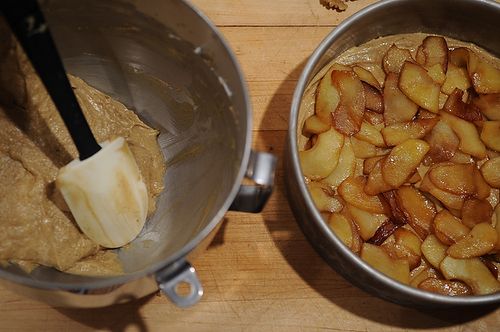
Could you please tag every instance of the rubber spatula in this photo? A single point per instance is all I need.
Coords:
(103, 188)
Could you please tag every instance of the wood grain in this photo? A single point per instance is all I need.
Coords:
(260, 273)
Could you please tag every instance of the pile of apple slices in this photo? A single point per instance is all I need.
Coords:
(407, 172)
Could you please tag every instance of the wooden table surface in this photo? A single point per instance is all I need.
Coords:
(260, 273)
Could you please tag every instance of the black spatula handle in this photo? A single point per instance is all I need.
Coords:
(28, 24)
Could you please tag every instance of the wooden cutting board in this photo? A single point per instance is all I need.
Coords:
(260, 273)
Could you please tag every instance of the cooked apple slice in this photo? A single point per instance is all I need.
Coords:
(397, 106)
(345, 230)
(476, 211)
(403, 160)
(422, 272)
(433, 250)
(483, 190)
(369, 164)
(417, 85)
(373, 99)
(327, 98)
(467, 133)
(490, 134)
(348, 115)
(314, 126)
(397, 269)
(479, 241)
(471, 271)
(457, 107)
(370, 134)
(420, 211)
(323, 198)
(485, 77)
(366, 76)
(451, 201)
(394, 59)
(352, 191)
(345, 166)
(433, 55)
(319, 161)
(406, 245)
(373, 117)
(367, 222)
(491, 172)
(489, 105)
(448, 228)
(376, 183)
(364, 149)
(399, 132)
(445, 287)
(458, 179)
(456, 78)
(443, 143)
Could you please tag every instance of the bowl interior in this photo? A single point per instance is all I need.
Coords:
(165, 62)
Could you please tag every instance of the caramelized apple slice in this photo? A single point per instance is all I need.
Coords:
(471, 271)
(490, 134)
(376, 183)
(323, 198)
(319, 161)
(422, 272)
(445, 287)
(467, 133)
(489, 105)
(448, 228)
(394, 59)
(476, 211)
(443, 143)
(345, 166)
(433, 55)
(369, 164)
(420, 211)
(457, 179)
(314, 126)
(417, 85)
(373, 99)
(403, 160)
(479, 241)
(363, 149)
(406, 245)
(327, 98)
(352, 191)
(491, 172)
(450, 200)
(433, 250)
(345, 230)
(367, 222)
(399, 132)
(348, 115)
(373, 118)
(456, 78)
(397, 269)
(485, 77)
(366, 76)
(457, 107)
(370, 134)
(397, 107)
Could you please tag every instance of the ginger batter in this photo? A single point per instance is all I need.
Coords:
(36, 227)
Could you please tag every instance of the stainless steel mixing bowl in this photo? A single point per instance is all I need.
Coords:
(168, 63)
(468, 20)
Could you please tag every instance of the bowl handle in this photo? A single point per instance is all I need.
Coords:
(168, 281)
(260, 170)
